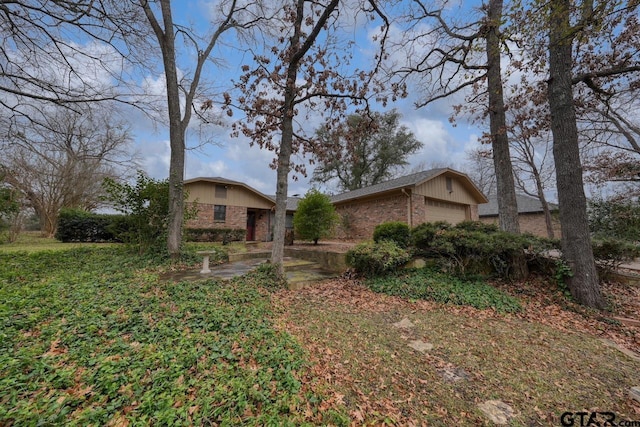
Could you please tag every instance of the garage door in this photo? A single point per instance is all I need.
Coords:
(443, 211)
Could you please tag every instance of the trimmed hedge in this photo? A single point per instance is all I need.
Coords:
(76, 225)
(372, 259)
(396, 231)
(609, 254)
(224, 235)
(476, 248)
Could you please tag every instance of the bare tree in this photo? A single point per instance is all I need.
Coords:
(304, 70)
(61, 161)
(64, 53)
(182, 92)
(464, 57)
(481, 170)
(571, 25)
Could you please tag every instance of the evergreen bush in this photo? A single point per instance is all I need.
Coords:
(215, 234)
(77, 225)
(394, 231)
(373, 259)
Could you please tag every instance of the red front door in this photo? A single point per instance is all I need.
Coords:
(251, 226)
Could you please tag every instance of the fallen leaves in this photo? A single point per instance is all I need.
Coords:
(379, 385)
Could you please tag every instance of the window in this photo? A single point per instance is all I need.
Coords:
(219, 213)
(449, 184)
(221, 191)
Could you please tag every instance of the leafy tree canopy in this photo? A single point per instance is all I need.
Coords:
(364, 150)
(315, 217)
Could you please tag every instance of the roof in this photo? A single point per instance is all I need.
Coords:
(407, 181)
(526, 204)
(220, 180)
(292, 202)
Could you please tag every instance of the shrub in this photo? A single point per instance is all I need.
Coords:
(394, 231)
(315, 217)
(432, 285)
(610, 253)
(372, 259)
(615, 219)
(146, 208)
(477, 226)
(215, 234)
(423, 235)
(77, 225)
(476, 248)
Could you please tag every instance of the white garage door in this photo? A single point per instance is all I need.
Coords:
(443, 211)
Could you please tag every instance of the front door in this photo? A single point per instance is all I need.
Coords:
(251, 226)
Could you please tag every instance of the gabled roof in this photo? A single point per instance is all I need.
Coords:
(526, 204)
(225, 181)
(409, 181)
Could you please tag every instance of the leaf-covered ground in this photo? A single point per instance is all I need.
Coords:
(91, 337)
(543, 361)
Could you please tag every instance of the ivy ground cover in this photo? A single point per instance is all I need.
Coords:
(91, 337)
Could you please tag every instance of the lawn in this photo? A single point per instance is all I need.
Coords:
(92, 336)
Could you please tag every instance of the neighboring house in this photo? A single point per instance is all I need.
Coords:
(223, 203)
(530, 215)
(432, 195)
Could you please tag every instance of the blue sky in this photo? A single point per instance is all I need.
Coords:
(233, 158)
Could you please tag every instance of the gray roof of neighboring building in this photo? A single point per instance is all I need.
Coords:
(526, 204)
(393, 184)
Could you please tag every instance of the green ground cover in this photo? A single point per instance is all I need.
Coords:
(88, 336)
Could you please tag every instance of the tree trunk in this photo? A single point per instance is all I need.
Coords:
(576, 240)
(284, 165)
(166, 39)
(506, 190)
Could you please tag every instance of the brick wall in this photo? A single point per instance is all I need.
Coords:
(533, 223)
(360, 218)
(418, 210)
(262, 225)
(474, 213)
(236, 217)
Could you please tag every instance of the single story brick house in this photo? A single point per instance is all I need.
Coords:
(223, 203)
(530, 215)
(433, 195)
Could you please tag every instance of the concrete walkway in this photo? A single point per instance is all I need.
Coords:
(299, 272)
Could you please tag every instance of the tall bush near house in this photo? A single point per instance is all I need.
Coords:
(315, 218)
(394, 231)
(146, 208)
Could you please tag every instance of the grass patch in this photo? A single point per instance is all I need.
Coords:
(90, 337)
(429, 284)
(32, 241)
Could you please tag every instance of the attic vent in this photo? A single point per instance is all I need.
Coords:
(449, 184)
(221, 191)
